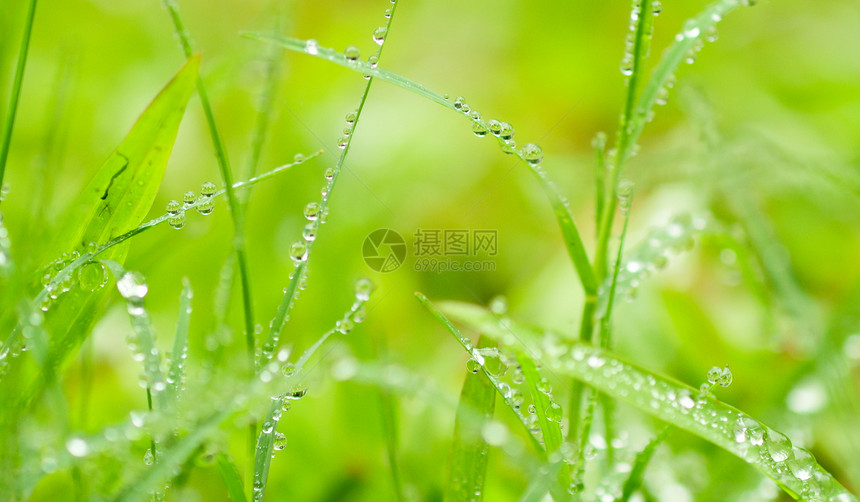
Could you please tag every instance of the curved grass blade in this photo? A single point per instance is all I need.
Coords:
(634, 479)
(570, 233)
(265, 445)
(17, 81)
(794, 469)
(469, 450)
(232, 480)
(467, 345)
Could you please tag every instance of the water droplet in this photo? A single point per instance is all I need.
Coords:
(725, 378)
(494, 126)
(544, 386)
(208, 189)
(363, 288)
(778, 446)
(532, 153)
(279, 442)
(299, 251)
(329, 174)
(312, 47)
(205, 205)
(387, 13)
(656, 7)
(189, 198)
(132, 285)
(802, 465)
(691, 29)
(352, 53)
(350, 117)
(479, 130)
(373, 61)
(473, 366)
(309, 233)
(714, 375)
(173, 207)
(177, 221)
(93, 276)
(685, 399)
(148, 457)
(506, 131)
(554, 413)
(379, 35)
(747, 429)
(312, 211)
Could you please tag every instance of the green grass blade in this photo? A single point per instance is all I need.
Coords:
(469, 450)
(142, 343)
(470, 349)
(637, 472)
(232, 480)
(17, 81)
(542, 483)
(771, 453)
(237, 213)
(175, 372)
(570, 233)
(265, 445)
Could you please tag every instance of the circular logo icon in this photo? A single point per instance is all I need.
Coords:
(384, 250)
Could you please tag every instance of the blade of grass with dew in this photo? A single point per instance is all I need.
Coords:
(637, 472)
(467, 345)
(277, 323)
(467, 468)
(265, 446)
(116, 199)
(176, 370)
(390, 427)
(570, 233)
(794, 469)
(237, 213)
(17, 81)
(231, 477)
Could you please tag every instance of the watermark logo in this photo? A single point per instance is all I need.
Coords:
(384, 250)
(435, 250)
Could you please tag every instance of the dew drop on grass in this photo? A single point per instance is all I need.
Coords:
(506, 131)
(344, 326)
(363, 288)
(93, 276)
(544, 386)
(205, 204)
(279, 442)
(177, 221)
(554, 413)
(656, 7)
(312, 47)
(532, 153)
(685, 399)
(479, 130)
(309, 233)
(207, 189)
(387, 13)
(778, 446)
(352, 53)
(494, 126)
(691, 29)
(359, 315)
(148, 457)
(373, 61)
(473, 366)
(299, 251)
(132, 286)
(802, 465)
(188, 199)
(329, 174)
(714, 375)
(379, 35)
(173, 207)
(312, 211)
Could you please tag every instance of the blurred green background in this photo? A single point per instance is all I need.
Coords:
(763, 131)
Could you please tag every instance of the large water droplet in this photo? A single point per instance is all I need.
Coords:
(379, 35)
(312, 211)
(778, 446)
(506, 131)
(312, 47)
(352, 53)
(93, 276)
(363, 288)
(132, 285)
(299, 251)
(532, 153)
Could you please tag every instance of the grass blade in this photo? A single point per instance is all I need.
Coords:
(570, 233)
(634, 479)
(17, 81)
(175, 372)
(469, 450)
(541, 483)
(265, 445)
(232, 480)
(794, 469)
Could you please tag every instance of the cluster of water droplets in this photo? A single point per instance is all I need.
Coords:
(204, 203)
(628, 60)
(653, 254)
(758, 444)
(531, 152)
(91, 276)
(141, 341)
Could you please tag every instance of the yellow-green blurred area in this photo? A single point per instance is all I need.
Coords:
(762, 134)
